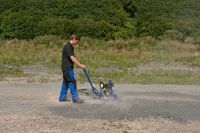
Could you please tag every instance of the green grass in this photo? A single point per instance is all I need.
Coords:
(155, 76)
(18, 53)
(119, 55)
(193, 60)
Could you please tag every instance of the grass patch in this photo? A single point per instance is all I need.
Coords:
(98, 53)
(15, 71)
(191, 60)
(22, 52)
(116, 54)
(155, 76)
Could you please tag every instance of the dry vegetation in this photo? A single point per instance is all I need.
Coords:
(121, 60)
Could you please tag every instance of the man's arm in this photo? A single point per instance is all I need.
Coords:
(76, 61)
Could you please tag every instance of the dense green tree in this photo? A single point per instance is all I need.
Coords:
(20, 25)
(99, 18)
(154, 17)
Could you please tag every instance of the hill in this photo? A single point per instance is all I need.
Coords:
(105, 19)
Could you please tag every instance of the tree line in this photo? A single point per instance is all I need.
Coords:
(103, 19)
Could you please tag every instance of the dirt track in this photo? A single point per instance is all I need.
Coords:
(34, 107)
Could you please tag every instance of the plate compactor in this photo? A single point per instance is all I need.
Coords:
(105, 89)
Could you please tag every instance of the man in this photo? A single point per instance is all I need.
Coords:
(69, 81)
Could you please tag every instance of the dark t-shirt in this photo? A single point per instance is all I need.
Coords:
(67, 51)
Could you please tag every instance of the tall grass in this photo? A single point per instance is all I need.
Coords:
(21, 52)
(122, 55)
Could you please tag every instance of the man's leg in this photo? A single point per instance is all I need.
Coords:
(74, 92)
(73, 88)
(63, 91)
(72, 85)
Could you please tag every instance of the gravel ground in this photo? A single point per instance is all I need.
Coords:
(34, 107)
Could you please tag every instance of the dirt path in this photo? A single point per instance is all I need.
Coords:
(33, 107)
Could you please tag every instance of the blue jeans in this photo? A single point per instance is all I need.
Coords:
(69, 82)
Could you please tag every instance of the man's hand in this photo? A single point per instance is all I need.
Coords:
(82, 66)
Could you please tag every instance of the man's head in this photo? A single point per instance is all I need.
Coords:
(74, 39)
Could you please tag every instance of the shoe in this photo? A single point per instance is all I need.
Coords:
(79, 100)
(65, 100)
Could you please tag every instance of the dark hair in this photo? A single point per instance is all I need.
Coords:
(74, 36)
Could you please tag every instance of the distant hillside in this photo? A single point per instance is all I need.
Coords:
(99, 18)
(156, 16)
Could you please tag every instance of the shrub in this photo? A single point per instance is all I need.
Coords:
(149, 25)
(173, 35)
(197, 40)
(99, 29)
(20, 25)
(58, 26)
(189, 40)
